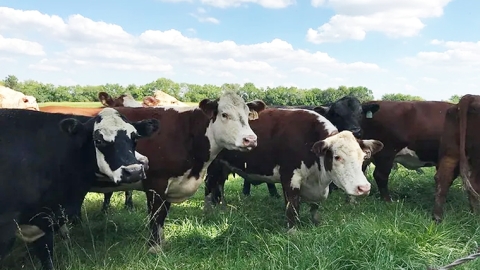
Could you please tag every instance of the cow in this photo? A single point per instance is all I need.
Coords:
(304, 152)
(410, 132)
(126, 100)
(10, 98)
(459, 153)
(49, 161)
(178, 156)
(345, 113)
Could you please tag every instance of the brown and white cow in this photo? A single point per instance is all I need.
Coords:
(459, 153)
(10, 98)
(179, 155)
(304, 152)
(126, 100)
(410, 132)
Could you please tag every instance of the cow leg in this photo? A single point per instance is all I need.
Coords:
(158, 209)
(106, 201)
(43, 248)
(291, 192)
(474, 195)
(246, 187)
(273, 190)
(7, 234)
(315, 216)
(383, 167)
(129, 200)
(443, 180)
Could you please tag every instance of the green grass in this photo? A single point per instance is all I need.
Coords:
(251, 233)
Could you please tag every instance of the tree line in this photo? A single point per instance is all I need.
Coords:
(185, 92)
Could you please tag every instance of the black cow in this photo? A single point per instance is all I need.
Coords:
(346, 114)
(49, 161)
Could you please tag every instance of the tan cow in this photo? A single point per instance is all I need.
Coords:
(10, 98)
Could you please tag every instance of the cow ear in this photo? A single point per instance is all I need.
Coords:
(105, 99)
(322, 110)
(209, 107)
(24, 99)
(71, 126)
(256, 105)
(150, 101)
(373, 108)
(320, 148)
(371, 147)
(146, 128)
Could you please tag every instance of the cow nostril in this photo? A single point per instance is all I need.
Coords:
(363, 189)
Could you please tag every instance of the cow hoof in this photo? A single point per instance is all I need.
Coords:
(156, 249)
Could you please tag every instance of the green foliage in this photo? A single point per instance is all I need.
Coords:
(401, 97)
(251, 233)
(187, 92)
(455, 99)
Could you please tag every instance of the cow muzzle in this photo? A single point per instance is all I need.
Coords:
(133, 173)
(249, 142)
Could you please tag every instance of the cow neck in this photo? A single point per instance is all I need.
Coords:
(215, 148)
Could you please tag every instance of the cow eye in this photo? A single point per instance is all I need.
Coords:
(225, 115)
(338, 158)
(99, 142)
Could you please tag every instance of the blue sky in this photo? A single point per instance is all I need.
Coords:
(429, 48)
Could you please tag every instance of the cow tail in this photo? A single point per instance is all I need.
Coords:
(463, 105)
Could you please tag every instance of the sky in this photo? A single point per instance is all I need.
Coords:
(428, 48)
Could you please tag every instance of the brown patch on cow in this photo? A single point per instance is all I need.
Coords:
(209, 107)
(150, 101)
(108, 101)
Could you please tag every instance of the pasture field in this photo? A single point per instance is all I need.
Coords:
(251, 234)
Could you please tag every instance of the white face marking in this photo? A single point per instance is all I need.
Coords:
(231, 126)
(346, 172)
(109, 126)
(129, 101)
(409, 159)
(29, 233)
(321, 119)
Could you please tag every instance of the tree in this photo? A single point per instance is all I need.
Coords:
(401, 97)
(455, 98)
(11, 81)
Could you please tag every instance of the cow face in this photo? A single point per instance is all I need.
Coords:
(115, 140)
(29, 103)
(347, 113)
(229, 121)
(341, 157)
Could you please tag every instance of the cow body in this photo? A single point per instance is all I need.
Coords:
(178, 156)
(459, 153)
(288, 141)
(49, 162)
(346, 114)
(410, 132)
(10, 98)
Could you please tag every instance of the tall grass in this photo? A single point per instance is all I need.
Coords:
(251, 233)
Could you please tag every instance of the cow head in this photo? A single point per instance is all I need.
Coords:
(229, 116)
(124, 100)
(115, 139)
(29, 103)
(341, 157)
(347, 113)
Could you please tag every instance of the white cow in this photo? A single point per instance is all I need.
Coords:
(10, 98)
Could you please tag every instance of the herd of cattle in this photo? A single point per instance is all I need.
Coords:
(53, 156)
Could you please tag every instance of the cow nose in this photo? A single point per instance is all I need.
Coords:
(363, 189)
(250, 141)
(133, 173)
(357, 132)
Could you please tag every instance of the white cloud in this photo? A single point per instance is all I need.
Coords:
(15, 45)
(237, 3)
(394, 18)
(201, 16)
(455, 54)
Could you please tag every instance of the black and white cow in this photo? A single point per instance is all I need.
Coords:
(49, 162)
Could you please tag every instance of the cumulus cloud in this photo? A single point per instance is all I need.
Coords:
(237, 3)
(354, 18)
(19, 46)
(453, 54)
(87, 49)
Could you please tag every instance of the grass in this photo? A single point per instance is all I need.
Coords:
(250, 234)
